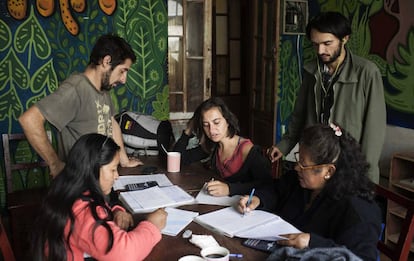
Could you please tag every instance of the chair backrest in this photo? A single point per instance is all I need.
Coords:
(401, 250)
(10, 142)
(276, 167)
(5, 247)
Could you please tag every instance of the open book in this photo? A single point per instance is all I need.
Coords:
(256, 224)
(150, 199)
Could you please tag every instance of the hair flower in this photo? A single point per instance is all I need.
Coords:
(336, 129)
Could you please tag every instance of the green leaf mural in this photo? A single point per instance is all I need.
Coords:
(5, 36)
(402, 97)
(13, 72)
(35, 98)
(161, 103)
(146, 75)
(144, 25)
(289, 80)
(44, 77)
(154, 13)
(30, 35)
(10, 107)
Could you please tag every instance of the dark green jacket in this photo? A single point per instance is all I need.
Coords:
(359, 107)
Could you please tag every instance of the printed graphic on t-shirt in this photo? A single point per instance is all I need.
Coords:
(104, 119)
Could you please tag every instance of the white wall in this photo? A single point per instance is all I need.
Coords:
(397, 139)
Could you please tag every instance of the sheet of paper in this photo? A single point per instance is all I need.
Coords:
(148, 200)
(177, 220)
(161, 179)
(204, 198)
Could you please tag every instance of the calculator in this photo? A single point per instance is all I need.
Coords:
(141, 186)
(260, 244)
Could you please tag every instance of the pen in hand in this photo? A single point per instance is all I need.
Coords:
(205, 187)
(249, 201)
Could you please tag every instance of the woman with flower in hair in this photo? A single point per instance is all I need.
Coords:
(328, 197)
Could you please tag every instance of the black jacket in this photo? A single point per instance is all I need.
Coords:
(352, 221)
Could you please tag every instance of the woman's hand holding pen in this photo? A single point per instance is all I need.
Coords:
(158, 218)
(243, 208)
(217, 188)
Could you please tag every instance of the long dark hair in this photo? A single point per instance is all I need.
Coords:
(78, 180)
(326, 145)
(214, 102)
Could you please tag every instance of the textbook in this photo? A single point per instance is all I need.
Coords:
(150, 199)
(256, 224)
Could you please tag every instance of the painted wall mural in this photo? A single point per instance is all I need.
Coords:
(18, 8)
(383, 32)
(43, 41)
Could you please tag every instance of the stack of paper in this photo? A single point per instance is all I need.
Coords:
(150, 199)
(177, 220)
(256, 224)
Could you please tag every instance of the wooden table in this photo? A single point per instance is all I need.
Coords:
(191, 178)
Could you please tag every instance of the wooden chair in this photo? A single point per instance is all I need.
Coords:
(400, 250)
(276, 166)
(24, 165)
(5, 247)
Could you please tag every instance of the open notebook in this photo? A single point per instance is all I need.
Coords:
(150, 199)
(256, 224)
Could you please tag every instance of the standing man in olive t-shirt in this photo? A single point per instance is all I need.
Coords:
(82, 104)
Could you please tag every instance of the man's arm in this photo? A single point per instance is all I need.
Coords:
(125, 161)
(32, 122)
(374, 124)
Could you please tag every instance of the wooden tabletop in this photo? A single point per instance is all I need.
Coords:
(191, 178)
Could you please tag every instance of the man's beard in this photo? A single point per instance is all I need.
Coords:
(105, 85)
(334, 56)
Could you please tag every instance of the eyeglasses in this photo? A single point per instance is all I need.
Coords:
(297, 159)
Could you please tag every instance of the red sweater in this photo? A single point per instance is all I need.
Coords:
(133, 245)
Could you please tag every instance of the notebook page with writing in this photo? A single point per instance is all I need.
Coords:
(150, 199)
(230, 222)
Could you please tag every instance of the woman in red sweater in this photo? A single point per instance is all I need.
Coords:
(76, 219)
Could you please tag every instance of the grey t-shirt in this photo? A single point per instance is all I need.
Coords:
(77, 108)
